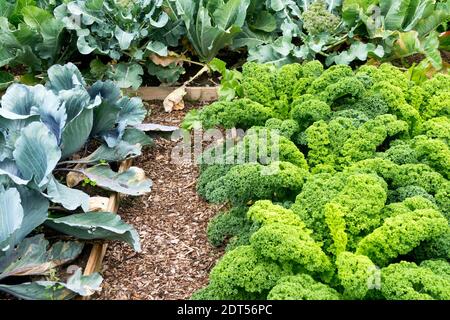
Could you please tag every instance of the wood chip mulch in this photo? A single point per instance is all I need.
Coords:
(176, 257)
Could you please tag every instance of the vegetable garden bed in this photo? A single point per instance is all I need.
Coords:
(316, 134)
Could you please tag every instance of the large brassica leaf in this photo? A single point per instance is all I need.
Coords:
(64, 77)
(50, 110)
(77, 284)
(11, 217)
(21, 102)
(32, 257)
(357, 51)
(422, 16)
(394, 13)
(76, 133)
(409, 43)
(105, 115)
(132, 111)
(70, 199)
(107, 91)
(76, 100)
(209, 31)
(132, 182)
(49, 28)
(30, 36)
(3, 147)
(18, 101)
(251, 38)
(127, 75)
(129, 147)
(123, 150)
(17, 43)
(7, 9)
(21, 211)
(10, 175)
(36, 153)
(35, 207)
(120, 30)
(96, 225)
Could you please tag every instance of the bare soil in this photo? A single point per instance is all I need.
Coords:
(176, 257)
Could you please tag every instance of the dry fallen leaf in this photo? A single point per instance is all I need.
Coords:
(166, 61)
(174, 101)
(73, 179)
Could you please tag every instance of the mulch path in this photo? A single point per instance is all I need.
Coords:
(176, 257)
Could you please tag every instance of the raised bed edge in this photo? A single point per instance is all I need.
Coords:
(201, 94)
(98, 251)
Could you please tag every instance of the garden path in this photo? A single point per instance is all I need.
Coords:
(176, 257)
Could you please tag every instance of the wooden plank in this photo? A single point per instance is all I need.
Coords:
(201, 94)
(98, 251)
(95, 257)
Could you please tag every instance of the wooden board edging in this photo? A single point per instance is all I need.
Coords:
(201, 94)
(98, 251)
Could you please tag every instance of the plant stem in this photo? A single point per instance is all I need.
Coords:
(73, 162)
(193, 62)
(68, 170)
(323, 53)
(198, 74)
(340, 41)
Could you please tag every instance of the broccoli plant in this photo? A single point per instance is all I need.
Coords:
(127, 32)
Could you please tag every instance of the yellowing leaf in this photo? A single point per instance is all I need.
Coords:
(73, 179)
(166, 61)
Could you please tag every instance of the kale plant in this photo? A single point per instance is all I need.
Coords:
(355, 206)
